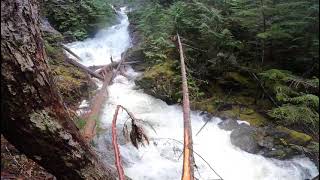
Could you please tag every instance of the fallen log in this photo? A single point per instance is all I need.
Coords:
(118, 67)
(84, 68)
(71, 52)
(188, 158)
(99, 99)
(114, 63)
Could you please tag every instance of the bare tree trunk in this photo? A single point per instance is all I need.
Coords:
(33, 116)
(188, 158)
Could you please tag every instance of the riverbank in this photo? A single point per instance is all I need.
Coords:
(232, 96)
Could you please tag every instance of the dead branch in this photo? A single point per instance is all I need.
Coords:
(118, 67)
(188, 159)
(116, 147)
(263, 88)
(137, 136)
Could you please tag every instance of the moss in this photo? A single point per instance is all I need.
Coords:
(309, 100)
(160, 81)
(232, 114)
(295, 137)
(164, 69)
(243, 100)
(247, 111)
(244, 114)
(207, 105)
(275, 75)
(72, 83)
(80, 123)
(295, 115)
(254, 119)
(237, 77)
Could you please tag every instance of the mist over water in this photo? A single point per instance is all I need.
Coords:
(162, 159)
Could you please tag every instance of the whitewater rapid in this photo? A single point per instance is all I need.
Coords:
(161, 160)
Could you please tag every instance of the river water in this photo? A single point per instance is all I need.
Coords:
(161, 160)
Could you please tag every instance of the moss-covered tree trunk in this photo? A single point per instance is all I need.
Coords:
(33, 116)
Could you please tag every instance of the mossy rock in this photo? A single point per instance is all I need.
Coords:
(247, 111)
(295, 137)
(255, 119)
(207, 105)
(244, 114)
(163, 69)
(72, 83)
(161, 82)
(278, 154)
(229, 114)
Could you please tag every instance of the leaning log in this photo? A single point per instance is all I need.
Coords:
(84, 68)
(188, 158)
(98, 101)
(71, 52)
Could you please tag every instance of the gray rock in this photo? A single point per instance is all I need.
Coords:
(267, 142)
(244, 138)
(228, 124)
(206, 116)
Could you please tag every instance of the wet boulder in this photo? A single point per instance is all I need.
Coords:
(135, 54)
(228, 124)
(272, 142)
(244, 138)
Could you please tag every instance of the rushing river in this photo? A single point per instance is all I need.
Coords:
(162, 160)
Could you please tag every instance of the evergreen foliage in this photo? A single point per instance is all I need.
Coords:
(279, 40)
(78, 18)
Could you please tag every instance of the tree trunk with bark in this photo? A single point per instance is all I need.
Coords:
(188, 158)
(33, 116)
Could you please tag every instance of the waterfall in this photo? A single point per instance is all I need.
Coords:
(161, 160)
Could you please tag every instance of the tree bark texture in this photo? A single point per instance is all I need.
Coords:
(33, 116)
(188, 158)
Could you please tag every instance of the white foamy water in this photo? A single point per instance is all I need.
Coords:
(107, 42)
(161, 159)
